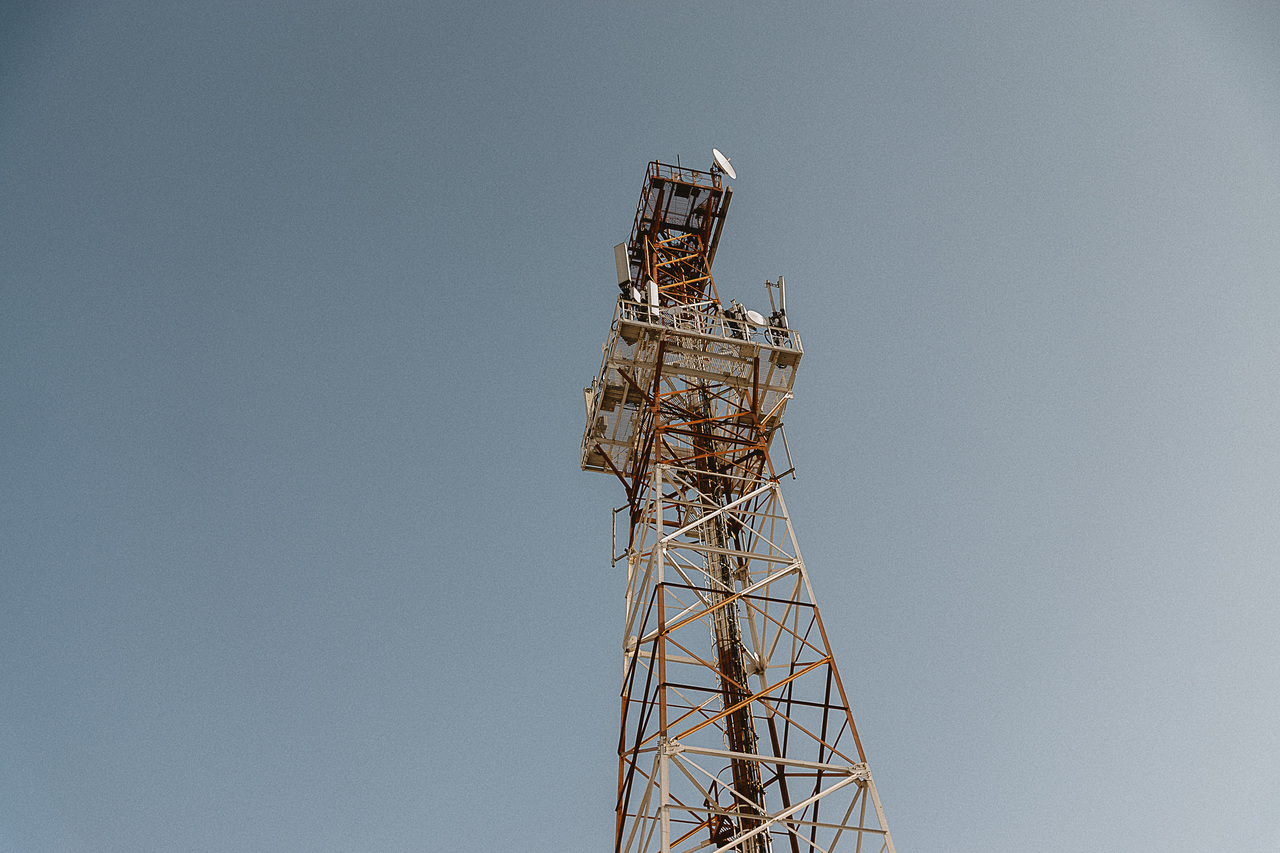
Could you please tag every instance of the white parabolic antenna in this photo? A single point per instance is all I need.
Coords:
(755, 318)
(723, 162)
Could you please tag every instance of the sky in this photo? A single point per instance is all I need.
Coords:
(297, 300)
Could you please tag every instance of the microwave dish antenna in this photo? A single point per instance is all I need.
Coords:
(722, 162)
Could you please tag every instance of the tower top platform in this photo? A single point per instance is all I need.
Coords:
(675, 202)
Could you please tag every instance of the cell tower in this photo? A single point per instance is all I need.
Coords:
(736, 731)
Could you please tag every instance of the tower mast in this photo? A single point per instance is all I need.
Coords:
(736, 733)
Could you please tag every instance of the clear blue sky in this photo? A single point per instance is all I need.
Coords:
(298, 300)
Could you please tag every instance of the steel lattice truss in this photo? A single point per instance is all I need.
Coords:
(736, 732)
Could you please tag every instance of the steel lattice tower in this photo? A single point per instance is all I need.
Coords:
(736, 731)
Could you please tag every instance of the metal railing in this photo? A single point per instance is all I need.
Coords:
(706, 318)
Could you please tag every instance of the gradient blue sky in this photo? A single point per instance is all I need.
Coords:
(298, 299)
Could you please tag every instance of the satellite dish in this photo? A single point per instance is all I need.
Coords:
(756, 319)
(723, 162)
